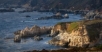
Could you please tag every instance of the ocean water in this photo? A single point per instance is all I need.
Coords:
(13, 21)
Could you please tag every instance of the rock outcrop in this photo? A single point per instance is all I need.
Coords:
(17, 38)
(31, 32)
(93, 15)
(78, 34)
(37, 38)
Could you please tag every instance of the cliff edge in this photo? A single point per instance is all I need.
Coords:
(77, 34)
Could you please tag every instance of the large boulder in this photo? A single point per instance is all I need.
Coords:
(66, 16)
(35, 30)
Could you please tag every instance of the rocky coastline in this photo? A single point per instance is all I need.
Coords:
(78, 35)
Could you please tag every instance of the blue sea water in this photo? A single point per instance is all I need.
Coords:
(13, 21)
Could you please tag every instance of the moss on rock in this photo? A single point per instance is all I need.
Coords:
(73, 26)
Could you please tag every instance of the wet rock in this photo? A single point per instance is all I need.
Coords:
(35, 30)
(53, 33)
(37, 38)
(17, 38)
(43, 50)
(66, 16)
(58, 14)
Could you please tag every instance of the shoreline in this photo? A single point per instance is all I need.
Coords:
(74, 49)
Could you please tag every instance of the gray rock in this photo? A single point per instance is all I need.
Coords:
(35, 30)
(17, 38)
(37, 38)
(53, 33)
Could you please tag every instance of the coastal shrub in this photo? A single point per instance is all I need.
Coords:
(70, 27)
(61, 23)
(73, 26)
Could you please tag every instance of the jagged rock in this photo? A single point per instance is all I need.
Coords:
(35, 30)
(55, 30)
(78, 34)
(44, 30)
(17, 38)
(53, 33)
(37, 38)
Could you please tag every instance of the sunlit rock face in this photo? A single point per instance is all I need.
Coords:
(77, 38)
(59, 28)
(35, 30)
(78, 34)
